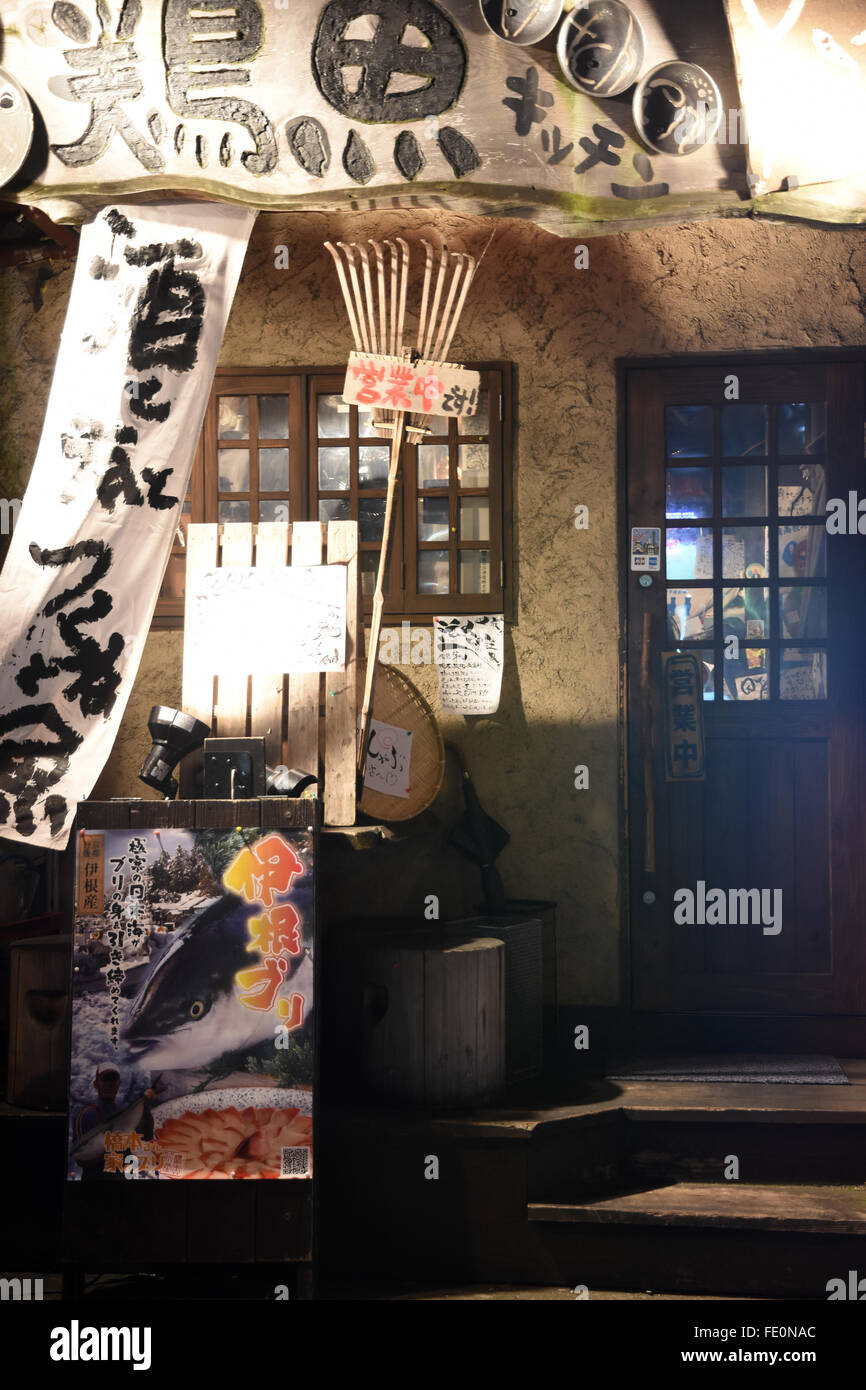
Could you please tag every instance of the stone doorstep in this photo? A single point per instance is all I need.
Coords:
(724, 1206)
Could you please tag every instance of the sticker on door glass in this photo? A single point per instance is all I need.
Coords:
(646, 547)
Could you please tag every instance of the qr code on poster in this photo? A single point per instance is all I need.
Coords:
(295, 1163)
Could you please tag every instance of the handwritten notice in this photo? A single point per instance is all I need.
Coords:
(389, 754)
(468, 654)
(263, 621)
(428, 388)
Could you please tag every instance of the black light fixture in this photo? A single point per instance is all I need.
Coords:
(174, 735)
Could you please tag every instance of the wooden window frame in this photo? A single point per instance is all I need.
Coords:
(302, 384)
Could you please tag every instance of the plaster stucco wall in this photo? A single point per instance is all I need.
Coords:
(709, 287)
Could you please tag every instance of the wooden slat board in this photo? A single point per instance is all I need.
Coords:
(287, 710)
(267, 692)
(233, 689)
(341, 693)
(304, 691)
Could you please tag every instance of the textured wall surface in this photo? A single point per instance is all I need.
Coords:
(716, 286)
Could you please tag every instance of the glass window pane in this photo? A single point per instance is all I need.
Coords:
(234, 511)
(373, 466)
(802, 674)
(474, 572)
(744, 491)
(690, 614)
(333, 417)
(689, 431)
(689, 552)
(707, 675)
(473, 465)
(273, 470)
(689, 492)
(371, 518)
(803, 611)
(433, 519)
(747, 677)
(334, 509)
(745, 552)
(479, 423)
(474, 519)
(433, 574)
(801, 428)
(802, 552)
(746, 613)
(234, 417)
(432, 465)
(802, 489)
(272, 510)
(369, 570)
(366, 428)
(334, 469)
(234, 470)
(744, 430)
(273, 417)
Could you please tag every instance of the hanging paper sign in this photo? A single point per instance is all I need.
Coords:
(468, 654)
(152, 290)
(425, 388)
(268, 109)
(646, 548)
(389, 755)
(261, 621)
(684, 717)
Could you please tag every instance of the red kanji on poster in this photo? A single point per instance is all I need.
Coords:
(275, 932)
(291, 1011)
(270, 867)
(259, 986)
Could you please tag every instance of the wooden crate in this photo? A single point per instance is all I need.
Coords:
(309, 722)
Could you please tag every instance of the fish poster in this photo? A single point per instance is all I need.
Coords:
(192, 1005)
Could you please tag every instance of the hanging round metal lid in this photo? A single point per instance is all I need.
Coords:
(600, 48)
(677, 108)
(16, 126)
(521, 21)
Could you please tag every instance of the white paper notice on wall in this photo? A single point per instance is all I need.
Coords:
(389, 755)
(264, 620)
(468, 653)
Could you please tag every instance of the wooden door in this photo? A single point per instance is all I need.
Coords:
(738, 474)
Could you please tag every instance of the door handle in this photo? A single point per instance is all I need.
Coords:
(647, 731)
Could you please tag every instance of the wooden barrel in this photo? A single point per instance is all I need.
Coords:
(434, 1029)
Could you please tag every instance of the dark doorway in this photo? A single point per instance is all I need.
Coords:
(735, 460)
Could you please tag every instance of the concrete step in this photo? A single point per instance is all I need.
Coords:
(731, 1206)
(745, 1239)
